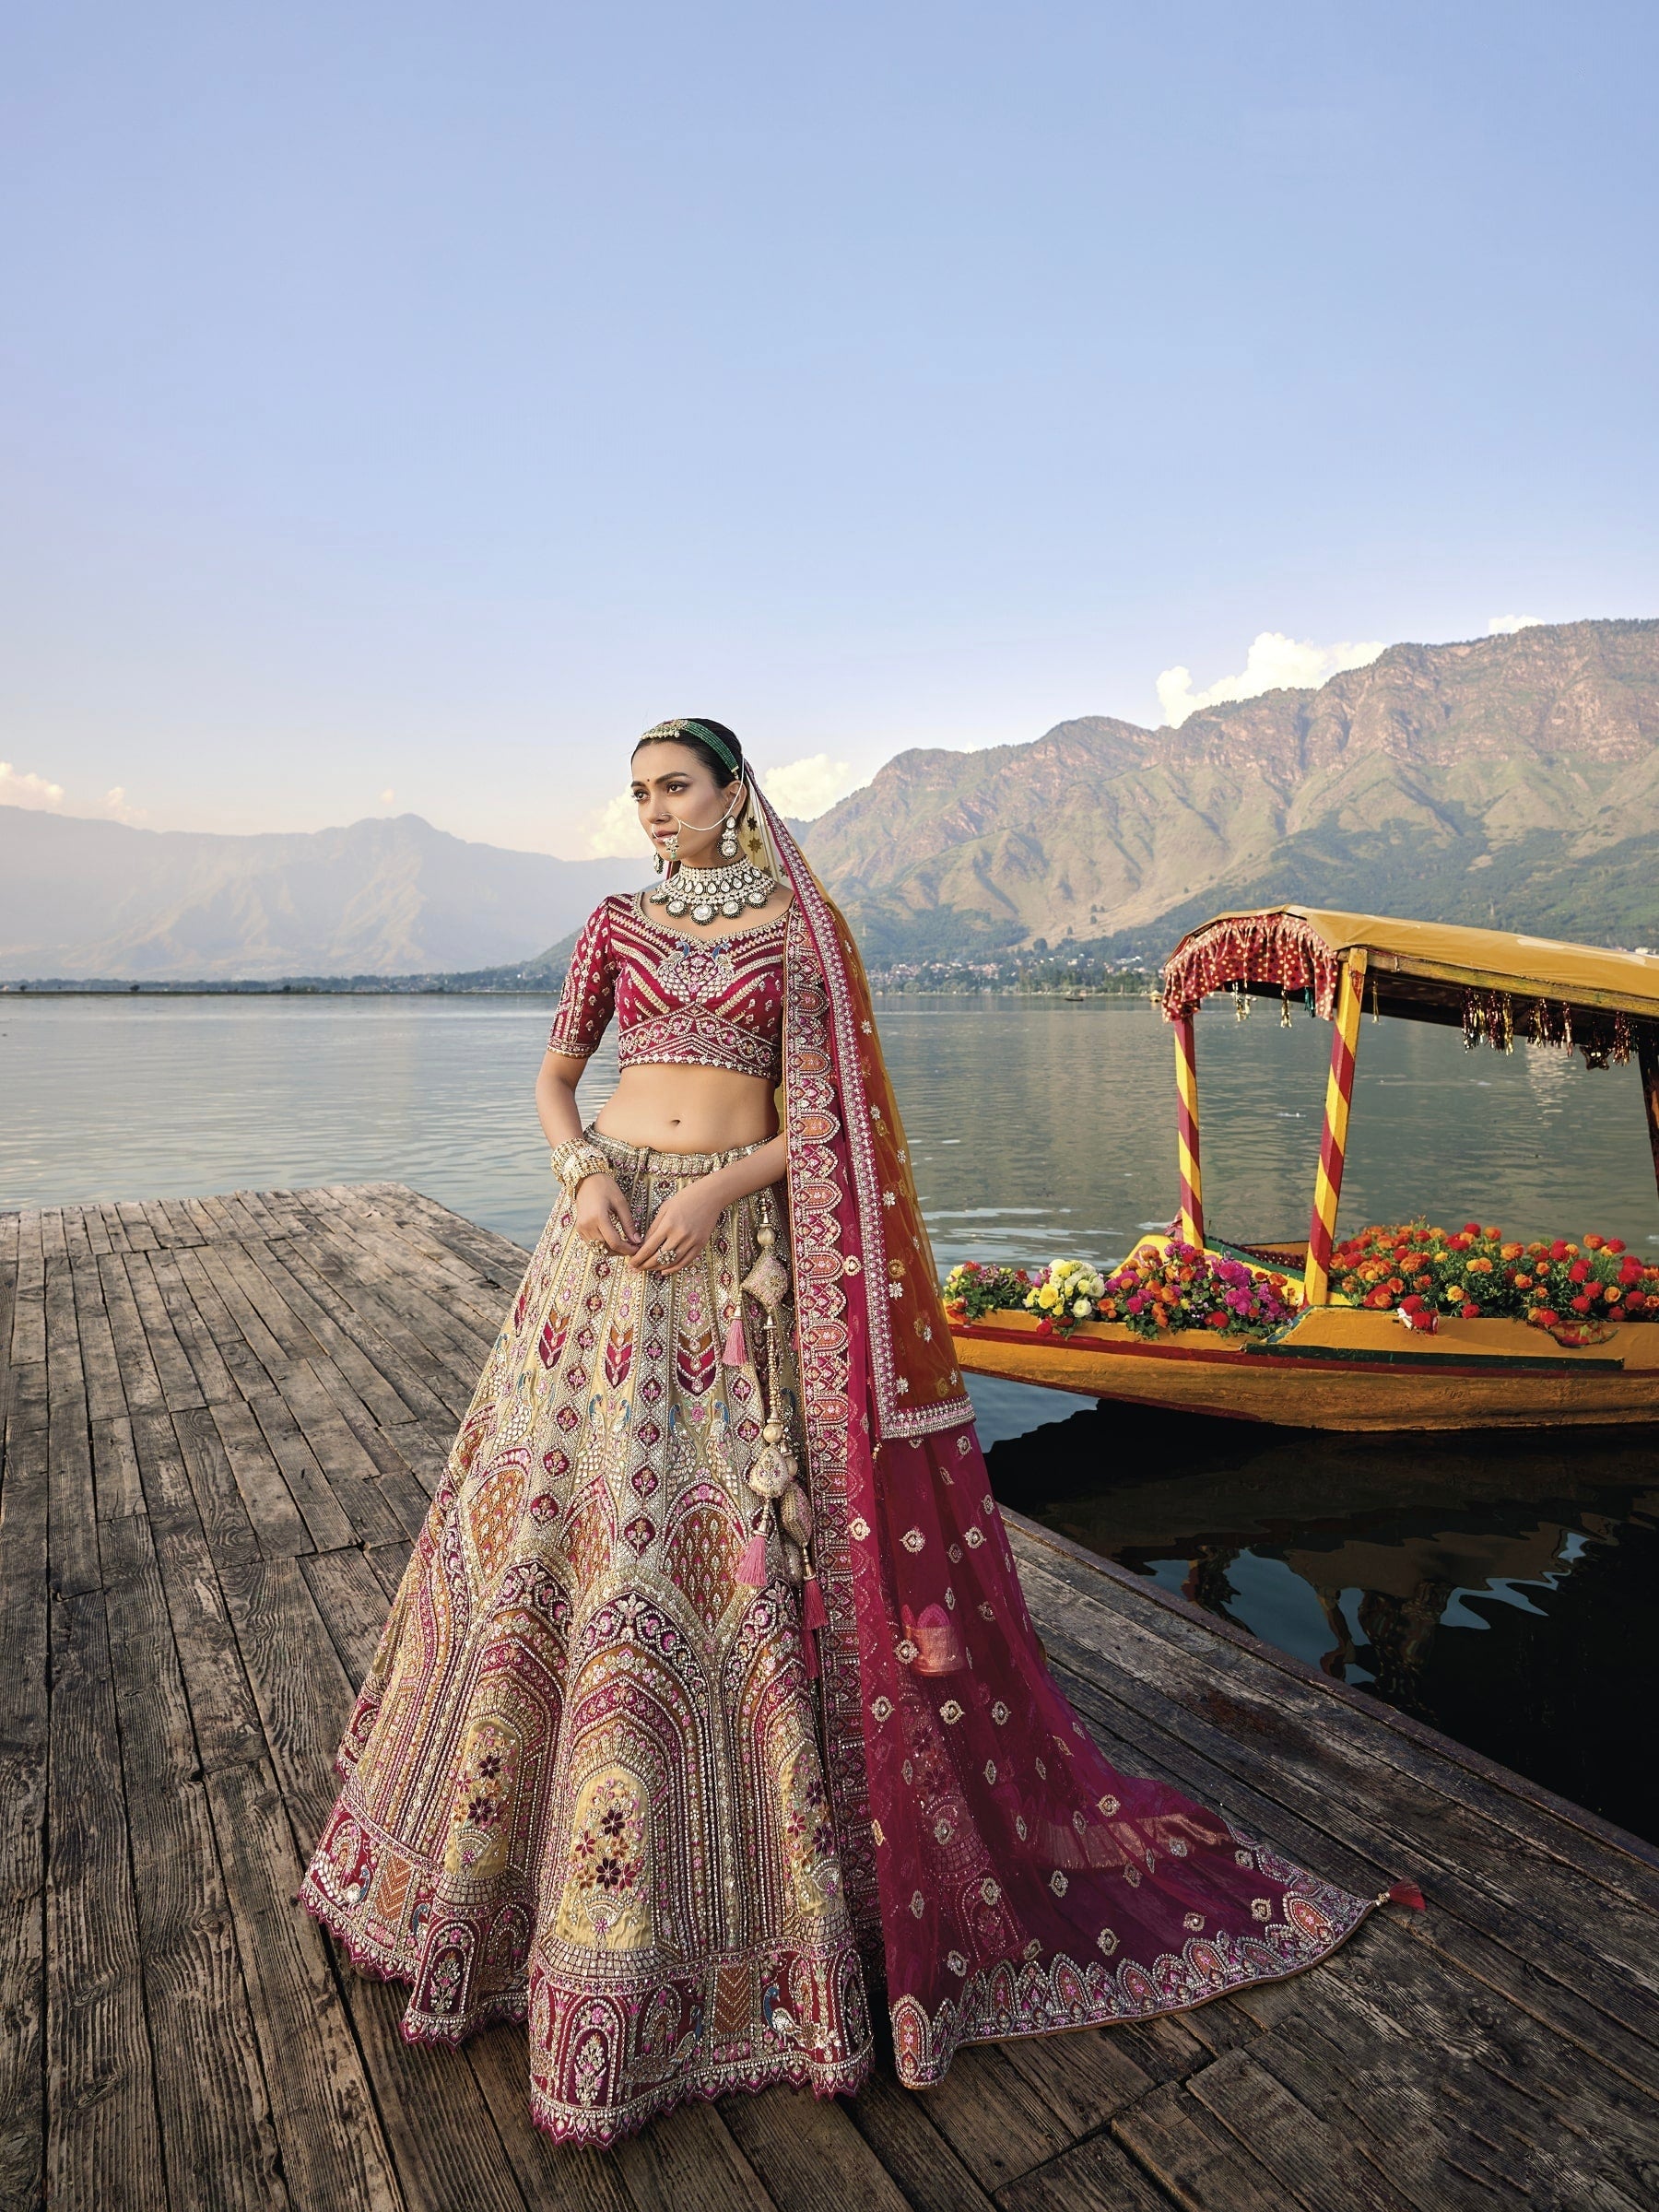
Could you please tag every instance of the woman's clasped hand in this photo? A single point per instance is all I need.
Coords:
(679, 1231)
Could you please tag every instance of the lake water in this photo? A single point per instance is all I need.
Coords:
(1500, 1588)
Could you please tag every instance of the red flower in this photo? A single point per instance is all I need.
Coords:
(1578, 1271)
(1637, 1300)
(1471, 1228)
(1580, 1305)
(1546, 1316)
(1558, 1250)
(1469, 1309)
(1614, 1244)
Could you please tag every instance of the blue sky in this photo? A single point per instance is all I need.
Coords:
(422, 399)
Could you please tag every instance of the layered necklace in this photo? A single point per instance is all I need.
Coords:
(704, 892)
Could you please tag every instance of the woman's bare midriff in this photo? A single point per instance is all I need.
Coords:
(673, 1109)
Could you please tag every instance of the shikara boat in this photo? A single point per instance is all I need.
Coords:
(1339, 1366)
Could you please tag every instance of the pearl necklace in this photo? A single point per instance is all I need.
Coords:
(705, 892)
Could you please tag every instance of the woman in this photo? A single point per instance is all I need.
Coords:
(710, 1701)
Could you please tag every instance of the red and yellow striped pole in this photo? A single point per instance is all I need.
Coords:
(1333, 1142)
(1186, 1132)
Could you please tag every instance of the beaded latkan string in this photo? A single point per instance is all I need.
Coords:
(781, 1544)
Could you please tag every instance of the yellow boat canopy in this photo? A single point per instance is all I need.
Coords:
(1427, 970)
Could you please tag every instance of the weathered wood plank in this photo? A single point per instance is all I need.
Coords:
(1193, 2158)
(348, 1468)
(29, 1311)
(139, 1378)
(686, 2161)
(174, 1370)
(352, 1604)
(894, 2123)
(104, 2141)
(301, 1689)
(807, 2154)
(375, 1326)
(335, 2152)
(195, 1337)
(73, 1543)
(23, 1741)
(407, 1496)
(140, 1236)
(332, 1519)
(1096, 2176)
(115, 1470)
(553, 2177)
(240, 1361)
(222, 1707)
(268, 1502)
(229, 1525)
(220, 2146)
(307, 1304)
(1315, 2164)
(101, 1363)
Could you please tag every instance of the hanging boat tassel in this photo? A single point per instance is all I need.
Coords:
(735, 1352)
(1403, 1893)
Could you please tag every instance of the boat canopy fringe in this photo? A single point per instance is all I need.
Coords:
(1272, 947)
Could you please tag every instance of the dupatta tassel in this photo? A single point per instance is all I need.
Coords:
(1403, 1893)
(814, 1614)
(752, 1568)
(734, 1352)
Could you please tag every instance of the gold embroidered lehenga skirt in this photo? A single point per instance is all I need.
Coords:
(584, 1785)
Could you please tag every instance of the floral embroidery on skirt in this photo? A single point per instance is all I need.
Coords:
(583, 1784)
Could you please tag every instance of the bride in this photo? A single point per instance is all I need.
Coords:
(709, 1710)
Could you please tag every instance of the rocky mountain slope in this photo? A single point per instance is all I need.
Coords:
(1511, 780)
(81, 898)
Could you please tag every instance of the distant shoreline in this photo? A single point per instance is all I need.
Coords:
(1120, 986)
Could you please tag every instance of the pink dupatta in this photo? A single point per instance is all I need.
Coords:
(1003, 1878)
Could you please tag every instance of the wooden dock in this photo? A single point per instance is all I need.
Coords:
(222, 1420)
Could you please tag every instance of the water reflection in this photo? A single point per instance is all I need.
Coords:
(1498, 1586)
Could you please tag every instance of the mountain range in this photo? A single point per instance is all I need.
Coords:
(389, 897)
(1509, 780)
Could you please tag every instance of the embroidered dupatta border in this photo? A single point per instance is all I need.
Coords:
(850, 1092)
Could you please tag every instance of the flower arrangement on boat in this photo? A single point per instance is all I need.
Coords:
(1426, 1271)
(1162, 1286)
(979, 1287)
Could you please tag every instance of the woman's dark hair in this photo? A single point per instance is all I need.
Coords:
(684, 732)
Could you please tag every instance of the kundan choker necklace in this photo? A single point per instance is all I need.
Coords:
(704, 892)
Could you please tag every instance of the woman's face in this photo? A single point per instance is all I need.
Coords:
(674, 790)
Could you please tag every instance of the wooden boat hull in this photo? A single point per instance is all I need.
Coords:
(1340, 1367)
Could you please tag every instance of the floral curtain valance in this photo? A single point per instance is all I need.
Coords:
(1251, 949)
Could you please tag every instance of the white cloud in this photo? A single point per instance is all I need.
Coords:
(614, 833)
(116, 806)
(805, 789)
(1505, 626)
(387, 796)
(17, 788)
(1274, 662)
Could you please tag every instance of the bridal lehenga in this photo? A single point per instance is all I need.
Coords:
(686, 1776)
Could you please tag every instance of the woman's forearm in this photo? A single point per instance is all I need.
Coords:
(753, 1171)
(556, 1104)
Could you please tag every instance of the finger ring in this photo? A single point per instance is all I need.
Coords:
(669, 1255)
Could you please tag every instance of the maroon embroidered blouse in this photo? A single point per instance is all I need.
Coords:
(701, 1002)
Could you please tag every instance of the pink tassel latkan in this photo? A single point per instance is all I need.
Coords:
(814, 1614)
(751, 1567)
(736, 1349)
(1406, 1893)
